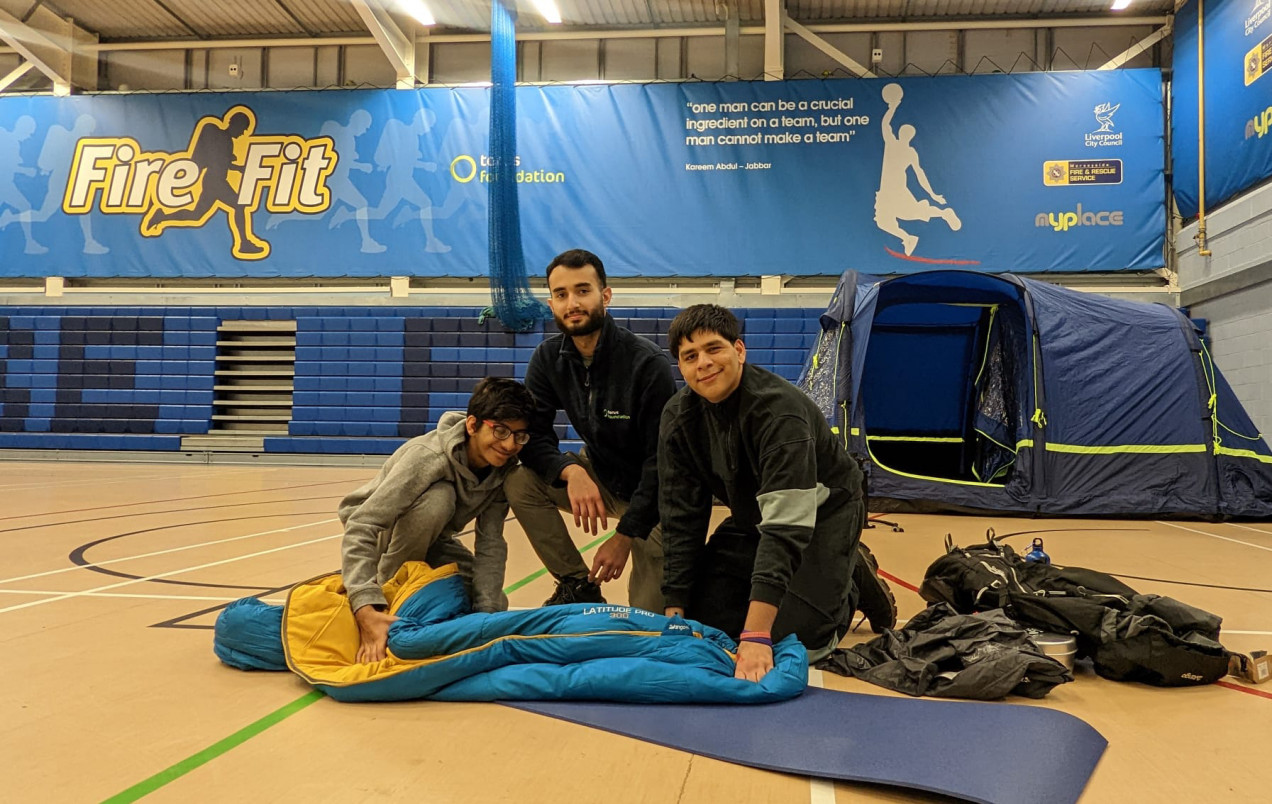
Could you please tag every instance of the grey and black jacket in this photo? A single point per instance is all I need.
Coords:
(768, 454)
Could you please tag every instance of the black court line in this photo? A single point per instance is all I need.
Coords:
(169, 511)
(1065, 530)
(77, 558)
(171, 499)
(179, 621)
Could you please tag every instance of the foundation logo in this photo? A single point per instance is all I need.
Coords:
(226, 167)
(1104, 136)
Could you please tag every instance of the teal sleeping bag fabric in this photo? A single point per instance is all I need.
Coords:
(440, 650)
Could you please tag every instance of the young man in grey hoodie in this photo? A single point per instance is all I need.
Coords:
(425, 493)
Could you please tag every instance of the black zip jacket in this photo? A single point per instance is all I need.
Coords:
(768, 454)
(614, 405)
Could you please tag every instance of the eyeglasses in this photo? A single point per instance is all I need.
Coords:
(503, 431)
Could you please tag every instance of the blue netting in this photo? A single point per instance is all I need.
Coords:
(514, 304)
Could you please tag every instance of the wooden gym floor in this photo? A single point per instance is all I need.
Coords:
(112, 575)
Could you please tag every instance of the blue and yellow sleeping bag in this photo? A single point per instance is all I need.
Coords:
(439, 650)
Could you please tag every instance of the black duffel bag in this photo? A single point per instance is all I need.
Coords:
(1128, 636)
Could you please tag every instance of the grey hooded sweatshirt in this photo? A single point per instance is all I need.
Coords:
(371, 513)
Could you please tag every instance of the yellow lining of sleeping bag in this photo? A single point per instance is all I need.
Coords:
(320, 634)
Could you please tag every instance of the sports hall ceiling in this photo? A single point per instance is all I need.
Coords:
(160, 20)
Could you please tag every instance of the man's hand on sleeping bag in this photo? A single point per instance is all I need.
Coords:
(611, 558)
(754, 660)
(373, 633)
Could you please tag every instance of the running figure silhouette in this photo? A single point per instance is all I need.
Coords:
(398, 156)
(11, 167)
(213, 149)
(343, 193)
(55, 156)
(894, 202)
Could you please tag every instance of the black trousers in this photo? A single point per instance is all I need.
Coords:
(821, 598)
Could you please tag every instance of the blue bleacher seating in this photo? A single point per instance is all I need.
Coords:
(365, 377)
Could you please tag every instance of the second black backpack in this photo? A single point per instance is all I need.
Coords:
(1128, 636)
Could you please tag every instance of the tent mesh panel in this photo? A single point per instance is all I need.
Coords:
(817, 379)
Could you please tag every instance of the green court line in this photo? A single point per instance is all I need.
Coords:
(244, 734)
(544, 571)
(213, 751)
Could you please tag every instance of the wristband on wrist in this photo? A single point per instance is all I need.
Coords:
(759, 637)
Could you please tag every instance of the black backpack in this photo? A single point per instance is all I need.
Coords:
(1128, 636)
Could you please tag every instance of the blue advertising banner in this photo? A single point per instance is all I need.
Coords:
(1033, 172)
(1238, 75)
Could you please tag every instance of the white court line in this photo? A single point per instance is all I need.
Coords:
(1227, 631)
(164, 552)
(1247, 527)
(55, 484)
(140, 597)
(820, 791)
(1217, 536)
(90, 592)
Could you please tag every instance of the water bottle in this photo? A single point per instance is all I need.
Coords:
(1036, 552)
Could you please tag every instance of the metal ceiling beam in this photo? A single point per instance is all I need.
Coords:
(14, 74)
(829, 49)
(46, 55)
(1137, 48)
(628, 33)
(732, 35)
(774, 40)
(178, 18)
(398, 45)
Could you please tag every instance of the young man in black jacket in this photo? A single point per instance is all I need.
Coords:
(612, 385)
(782, 562)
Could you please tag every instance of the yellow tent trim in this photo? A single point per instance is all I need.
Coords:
(1142, 449)
(1242, 453)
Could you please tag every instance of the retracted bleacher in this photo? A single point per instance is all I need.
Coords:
(365, 378)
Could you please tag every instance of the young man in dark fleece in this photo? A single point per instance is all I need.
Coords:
(782, 562)
(425, 493)
(612, 385)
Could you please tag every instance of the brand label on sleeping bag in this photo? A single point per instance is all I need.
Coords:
(677, 627)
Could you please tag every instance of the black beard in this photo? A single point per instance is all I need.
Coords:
(591, 324)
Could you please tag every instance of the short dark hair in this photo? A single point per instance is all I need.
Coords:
(577, 258)
(709, 318)
(500, 399)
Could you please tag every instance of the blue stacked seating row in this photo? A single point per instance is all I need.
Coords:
(165, 443)
(359, 354)
(364, 375)
(104, 378)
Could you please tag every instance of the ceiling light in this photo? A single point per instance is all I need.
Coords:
(418, 11)
(1118, 5)
(548, 10)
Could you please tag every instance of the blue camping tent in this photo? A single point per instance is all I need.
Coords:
(997, 393)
